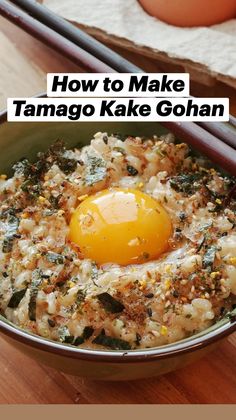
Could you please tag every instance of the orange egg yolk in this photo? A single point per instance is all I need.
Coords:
(123, 226)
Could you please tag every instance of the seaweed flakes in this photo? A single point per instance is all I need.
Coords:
(33, 172)
(36, 282)
(55, 258)
(209, 256)
(131, 170)
(57, 154)
(114, 343)
(110, 304)
(11, 233)
(87, 333)
(96, 170)
(64, 335)
(186, 183)
(16, 298)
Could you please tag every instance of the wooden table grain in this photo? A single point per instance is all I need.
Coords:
(212, 380)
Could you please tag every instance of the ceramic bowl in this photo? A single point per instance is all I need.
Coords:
(26, 139)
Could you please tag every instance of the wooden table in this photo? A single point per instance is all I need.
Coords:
(23, 381)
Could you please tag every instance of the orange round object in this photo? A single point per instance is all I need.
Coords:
(123, 226)
(191, 12)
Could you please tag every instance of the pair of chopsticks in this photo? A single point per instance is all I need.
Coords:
(64, 37)
(215, 140)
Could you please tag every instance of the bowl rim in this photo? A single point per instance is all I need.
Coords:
(193, 343)
(187, 345)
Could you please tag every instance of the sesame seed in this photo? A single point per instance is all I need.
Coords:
(168, 268)
(167, 304)
(71, 284)
(82, 197)
(60, 212)
(42, 199)
(183, 282)
(232, 260)
(164, 330)
(143, 284)
(167, 283)
(214, 274)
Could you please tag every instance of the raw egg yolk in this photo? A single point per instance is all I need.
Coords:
(123, 226)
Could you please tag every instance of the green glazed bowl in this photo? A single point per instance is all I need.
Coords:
(26, 139)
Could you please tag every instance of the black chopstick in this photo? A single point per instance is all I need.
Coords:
(77, 36)
(225, 131)
(52, 39)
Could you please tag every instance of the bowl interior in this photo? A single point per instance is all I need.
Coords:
(19, 140)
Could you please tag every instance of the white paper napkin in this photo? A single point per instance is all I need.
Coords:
(213, 47)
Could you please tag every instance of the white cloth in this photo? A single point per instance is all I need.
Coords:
(213, 47)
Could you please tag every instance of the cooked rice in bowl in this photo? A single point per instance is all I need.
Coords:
(50, 288)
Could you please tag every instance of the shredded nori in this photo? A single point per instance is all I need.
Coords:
(69, 339)
(33, 172)
(96, 170)
(149, 295)
(66, 165)
(11, 233)
(175, 293)
(23, 167)
(55, 258)
(105, 138)
(110, 304)
(16, 298)
(88, 331)
(149, 312)
(55, 201)
(209, 256)
(65, 336)
(11, 211)
(56, 154)
(138, 339)
(119, 150)
(230, 196)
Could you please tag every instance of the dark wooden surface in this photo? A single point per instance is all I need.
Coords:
(212, 380)
(22, 380)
